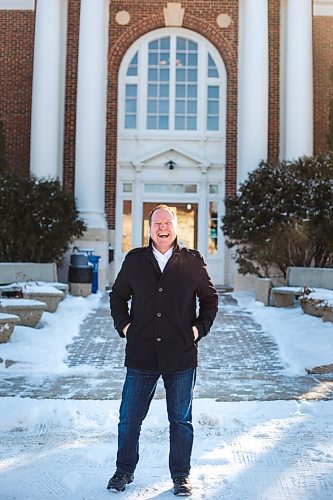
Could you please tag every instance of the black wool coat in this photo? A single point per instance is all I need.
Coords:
(163, 308)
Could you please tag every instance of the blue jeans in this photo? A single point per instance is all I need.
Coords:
(138, 391)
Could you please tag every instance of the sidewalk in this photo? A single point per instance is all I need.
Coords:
(238, 362)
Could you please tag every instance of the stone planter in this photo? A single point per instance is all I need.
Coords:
(7, 325)
(327, 313)
(29, 311)
(48, 294)
(312, 307)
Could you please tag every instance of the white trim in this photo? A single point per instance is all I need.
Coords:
(17, 4)
(323, 8)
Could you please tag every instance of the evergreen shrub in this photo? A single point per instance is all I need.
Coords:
(38, 219)
(283, 216)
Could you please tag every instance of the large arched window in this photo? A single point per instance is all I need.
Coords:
(172, 81)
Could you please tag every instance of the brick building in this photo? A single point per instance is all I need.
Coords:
(133, 103)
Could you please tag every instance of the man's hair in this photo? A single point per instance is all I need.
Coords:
(162, 207)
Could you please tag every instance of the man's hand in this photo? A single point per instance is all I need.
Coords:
(195, 332)
(125, 329)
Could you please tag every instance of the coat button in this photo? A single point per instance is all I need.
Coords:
(160, 289)
(158, 339)
(158, 315)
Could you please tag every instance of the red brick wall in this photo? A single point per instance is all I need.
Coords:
(274, 80)
(16, 56)
(323, 87)
(73, 25)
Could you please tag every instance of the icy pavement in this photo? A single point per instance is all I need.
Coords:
(239, 361)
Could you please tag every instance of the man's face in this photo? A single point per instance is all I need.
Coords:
(163, 230)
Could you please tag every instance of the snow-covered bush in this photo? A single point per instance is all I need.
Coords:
(37, 219)
(283, 216)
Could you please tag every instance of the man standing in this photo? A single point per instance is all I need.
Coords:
(162, 331)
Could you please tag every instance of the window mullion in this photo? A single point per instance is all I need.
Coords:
(142, 87)
(172, 88)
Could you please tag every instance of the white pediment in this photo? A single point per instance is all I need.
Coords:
(179, 158)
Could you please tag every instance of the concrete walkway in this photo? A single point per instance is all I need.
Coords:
(238, 362)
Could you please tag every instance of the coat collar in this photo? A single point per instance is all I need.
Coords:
(173, 259)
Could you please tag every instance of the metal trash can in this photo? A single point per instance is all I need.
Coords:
(80, 274)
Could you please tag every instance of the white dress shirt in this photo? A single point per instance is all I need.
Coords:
(162, 258)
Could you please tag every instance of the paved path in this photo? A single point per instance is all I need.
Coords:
(238, 362)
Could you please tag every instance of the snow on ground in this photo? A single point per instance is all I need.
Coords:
(303, 340)
(42, 350)
(278, 450)
(65, 449)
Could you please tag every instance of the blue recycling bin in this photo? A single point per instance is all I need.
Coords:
(93, 259)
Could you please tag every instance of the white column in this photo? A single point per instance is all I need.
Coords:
(252, 86)
(299, 86)
(48, 89)
(91, 112)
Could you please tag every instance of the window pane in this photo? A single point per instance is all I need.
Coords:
(164, 90)
(152, 106)
(179, 123)
(164, 107)
(133, 66)
(192, 91)
(152, 90)
(212, 69)
(170, 188)
(213, 92)
(153, 45)
(181, 43)
(130, 106)
(192, 60)
(191, 123)
(164, 75)
(127, 226)
(192, 75)
(163, 122)
(131, 90)
(192, 107)
(152, 75)
(212, 228)
(180, 90)
(180, 107)
(151, 122)
(130, 121)
(213, 107)
(180, 75)
(152, 60)
(213, 188)
(181, 59)
(192, 46)
(165, 43)
(212, 123)
(127, 187)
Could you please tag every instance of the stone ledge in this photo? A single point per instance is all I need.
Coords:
(7, 325)
(29, 311)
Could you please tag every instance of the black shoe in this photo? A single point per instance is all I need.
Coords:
(119, 480)
(182, 486)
